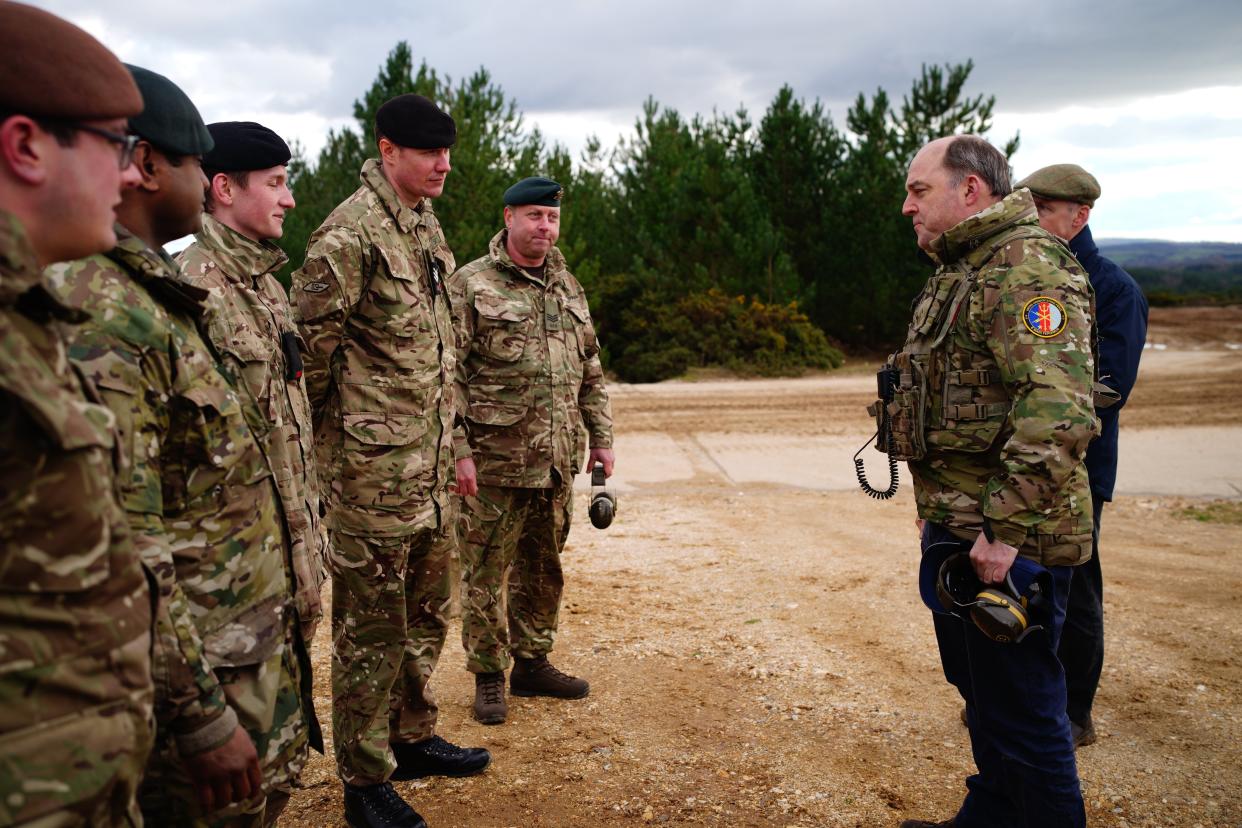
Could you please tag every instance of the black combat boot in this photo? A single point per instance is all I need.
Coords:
(436, 757)
(922, 823)
(537, 677)
(489, 698)
(379, 806)
(1083, 733)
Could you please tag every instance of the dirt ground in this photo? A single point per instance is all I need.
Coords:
(758, 654)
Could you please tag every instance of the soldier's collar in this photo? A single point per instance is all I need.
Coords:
(157, 272)
(553, 264)
(968, 235)
(407, 218)
(239, 257)
(19, 266)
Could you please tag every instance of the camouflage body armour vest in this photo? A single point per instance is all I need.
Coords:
(946, 395)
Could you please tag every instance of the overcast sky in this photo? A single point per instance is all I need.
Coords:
(1146, 94)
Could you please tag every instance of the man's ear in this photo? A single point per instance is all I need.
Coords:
(1081, 216)
(973, 189)
(24, 149)
(222, 189)
(150, 165)
(387, 150)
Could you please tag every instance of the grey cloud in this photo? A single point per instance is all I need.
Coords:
(697, 55)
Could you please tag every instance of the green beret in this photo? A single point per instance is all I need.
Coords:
(242, 146)
(1063, 182)
(170, 120)
(543, 192)
(49, 68)
(414, 121)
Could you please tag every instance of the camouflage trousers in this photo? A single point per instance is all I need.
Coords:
(82, 769)
(269, 703)
(390, 609)
(510, 545)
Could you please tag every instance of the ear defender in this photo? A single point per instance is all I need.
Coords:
(999, 611)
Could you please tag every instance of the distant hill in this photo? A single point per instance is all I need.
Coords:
(1180, 273)
(1167, 254)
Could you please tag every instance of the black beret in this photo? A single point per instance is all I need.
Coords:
(543, 192)
(414, 121)
(242, 146)
(169, 120)
(49, 68)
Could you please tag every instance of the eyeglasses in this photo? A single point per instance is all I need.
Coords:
(125, 143)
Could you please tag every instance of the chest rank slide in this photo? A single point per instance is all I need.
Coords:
(1044, 317)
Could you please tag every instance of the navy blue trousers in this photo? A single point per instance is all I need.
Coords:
(1015, 709)
(1081, 650)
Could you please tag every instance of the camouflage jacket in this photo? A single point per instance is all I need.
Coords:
(528, 372)
(247, 315)
(1002, 334)
(201, 500)
(75, 607)
(371, 304)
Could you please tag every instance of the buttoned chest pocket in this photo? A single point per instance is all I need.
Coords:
(398, 301)
(256, 364)
(583, 330)
(59, 538)
(213, 447)
(502, 326)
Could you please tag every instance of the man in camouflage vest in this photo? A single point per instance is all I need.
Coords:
(202, 503)
(75, 606)
(531, 390)
(372, 307)
(250, 325)
(993, 410)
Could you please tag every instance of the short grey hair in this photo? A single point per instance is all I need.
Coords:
(972, 155)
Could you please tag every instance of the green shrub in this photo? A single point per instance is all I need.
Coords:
(660, 340)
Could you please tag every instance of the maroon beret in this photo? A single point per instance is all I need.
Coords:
(49, 68)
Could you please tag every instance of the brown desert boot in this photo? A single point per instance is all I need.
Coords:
(537, 677)
(489, 698)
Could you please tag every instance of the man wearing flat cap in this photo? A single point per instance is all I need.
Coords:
(201, 499)
(250, 324)
(372, 307)
(531, 392)
(1065, 195)
(75, 618)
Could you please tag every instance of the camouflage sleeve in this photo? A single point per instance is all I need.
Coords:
(189, 698)
(1040, 335)
(593, 396)
(324, 291)
(463, 333)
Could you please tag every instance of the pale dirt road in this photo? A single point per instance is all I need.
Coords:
(759, 656)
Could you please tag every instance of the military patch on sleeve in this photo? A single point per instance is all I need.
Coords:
(1044, 316)
(315, 287)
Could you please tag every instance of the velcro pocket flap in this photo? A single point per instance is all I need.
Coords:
(504, 308)
(385, 429)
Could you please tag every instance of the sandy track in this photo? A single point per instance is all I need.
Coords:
(758, 654)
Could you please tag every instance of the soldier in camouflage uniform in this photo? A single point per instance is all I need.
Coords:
(531, 390)
(201, 500)
(75, 606)
(379, 370)
(250, 324)
(993, 411)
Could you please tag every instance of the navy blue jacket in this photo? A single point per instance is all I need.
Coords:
(1121, 325)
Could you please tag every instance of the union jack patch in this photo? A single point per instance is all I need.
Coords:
(1044, 317)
